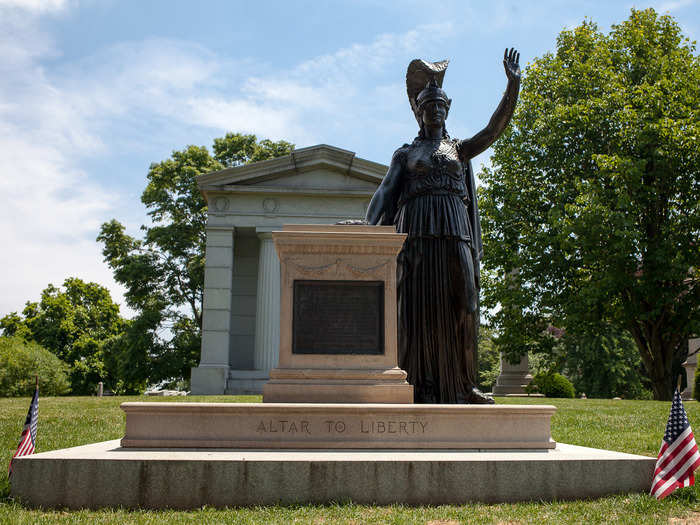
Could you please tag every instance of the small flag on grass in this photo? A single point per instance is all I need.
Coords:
(678, 457)
(27, 440)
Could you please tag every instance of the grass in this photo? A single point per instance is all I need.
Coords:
(627, 426)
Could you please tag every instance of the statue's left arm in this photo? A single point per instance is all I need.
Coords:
(470, 148)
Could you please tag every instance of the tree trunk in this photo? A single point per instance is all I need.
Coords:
(657, 357)
(661, 386)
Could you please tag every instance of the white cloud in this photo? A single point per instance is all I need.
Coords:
(49, 209)
(36, 6)
(186, 83)
(674, 5)
(244, 115)
(50, 212)
(328, 92)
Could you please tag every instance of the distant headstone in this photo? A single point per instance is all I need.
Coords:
(513, 378)
(690, 366)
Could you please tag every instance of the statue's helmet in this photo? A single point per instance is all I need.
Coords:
(430, 93)
(424, 83)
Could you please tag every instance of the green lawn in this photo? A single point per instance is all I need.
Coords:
(626, 426)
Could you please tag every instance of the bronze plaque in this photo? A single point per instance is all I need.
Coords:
(338, 317)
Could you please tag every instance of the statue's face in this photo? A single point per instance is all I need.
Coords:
(434, 113)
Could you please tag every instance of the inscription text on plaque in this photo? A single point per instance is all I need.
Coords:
(338, 317)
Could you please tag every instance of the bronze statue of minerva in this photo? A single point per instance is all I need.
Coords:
(429, 193)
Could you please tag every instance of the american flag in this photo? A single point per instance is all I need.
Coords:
(678, 457)
(27, 440)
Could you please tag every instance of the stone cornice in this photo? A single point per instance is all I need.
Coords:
(298, 161)
(214, 190)
(338, 239)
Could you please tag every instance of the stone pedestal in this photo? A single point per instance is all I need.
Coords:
(338, 316)
(337, 426)
(513, 378)
(690, 366)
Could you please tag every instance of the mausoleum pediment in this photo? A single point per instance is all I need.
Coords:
(317, 169)
(322, 178)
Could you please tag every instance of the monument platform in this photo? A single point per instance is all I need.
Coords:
(337, 426)
(107, 475)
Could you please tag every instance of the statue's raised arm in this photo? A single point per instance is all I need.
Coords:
(470, 148)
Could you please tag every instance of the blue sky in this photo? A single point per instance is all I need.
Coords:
(93, 91)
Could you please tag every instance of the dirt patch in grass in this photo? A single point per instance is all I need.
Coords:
(691, 519)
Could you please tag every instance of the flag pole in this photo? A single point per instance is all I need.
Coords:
(680, 378)
(27, 441)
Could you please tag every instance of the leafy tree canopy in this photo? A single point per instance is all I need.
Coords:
(591, 211)
(72, 323)
(21, 361)
(603, 363)
(163, 271)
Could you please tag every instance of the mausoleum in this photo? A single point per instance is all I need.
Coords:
(316, 185)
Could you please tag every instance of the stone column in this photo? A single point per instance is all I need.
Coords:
(211, 374)
(267, 316)
(513, 378)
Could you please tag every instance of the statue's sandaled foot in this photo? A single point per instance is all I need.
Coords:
(477, 397)
(427, 393)
(426, 397)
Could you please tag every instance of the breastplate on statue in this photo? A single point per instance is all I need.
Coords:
(433, 171)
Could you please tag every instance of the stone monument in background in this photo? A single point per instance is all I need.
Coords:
(513, 378)
(690, 365)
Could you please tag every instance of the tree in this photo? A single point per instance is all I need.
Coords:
(594, 195)
(604, 364)
(73, 324)
(163, 272)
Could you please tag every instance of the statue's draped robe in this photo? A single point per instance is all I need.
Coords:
(438, 274)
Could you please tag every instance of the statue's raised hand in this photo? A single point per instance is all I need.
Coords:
(511, 64)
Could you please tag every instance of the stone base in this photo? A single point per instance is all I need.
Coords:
(274, 392)
(105, 475)
(511, 383)
(334, 426)
(246, 382)
(337, 386)
(523, 395)
(501, 391)
(209, 380)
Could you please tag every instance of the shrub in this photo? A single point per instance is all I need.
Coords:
(20, 361)
(696, 383)
(551, 384)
